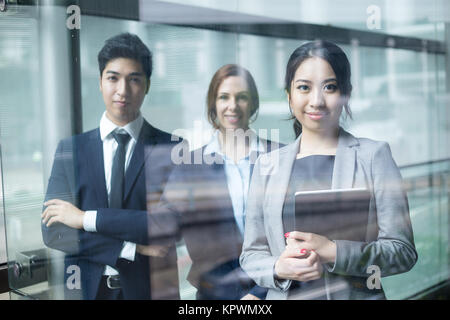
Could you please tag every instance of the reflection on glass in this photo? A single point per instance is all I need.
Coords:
(399, 97)
(21, 142)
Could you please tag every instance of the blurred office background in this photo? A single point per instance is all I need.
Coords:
(49, 89)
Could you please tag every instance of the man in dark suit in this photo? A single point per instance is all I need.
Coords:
(95, 205)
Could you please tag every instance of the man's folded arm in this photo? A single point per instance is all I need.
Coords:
(137, 226)
(93, 246)
(61, 185)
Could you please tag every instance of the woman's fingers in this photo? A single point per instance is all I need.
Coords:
(292, 242)
(297, 238)
(294, 252)
(313, 256)
(314, 275)
(299, 251)
(311, 261)
(298, 264)
(308, 268)
(298, 235)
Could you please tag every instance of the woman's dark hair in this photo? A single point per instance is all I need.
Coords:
(334, 56)
(125, 45)
(224, 72)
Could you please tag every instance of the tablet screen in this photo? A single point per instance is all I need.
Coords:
(340, 214)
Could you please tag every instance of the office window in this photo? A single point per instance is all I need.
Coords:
(404, 17)
(21, 134)
(399, 96)
(3, 256)
(396, 98)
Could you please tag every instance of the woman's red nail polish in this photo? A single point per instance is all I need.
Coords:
(286, 235)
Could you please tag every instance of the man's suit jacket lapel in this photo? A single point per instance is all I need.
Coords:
(96, 169)
(147, 139)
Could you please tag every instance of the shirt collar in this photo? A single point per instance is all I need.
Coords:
(133, 128)
(214, 145)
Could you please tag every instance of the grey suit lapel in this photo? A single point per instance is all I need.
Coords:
(345, 161)
(283, 164)
(343, 177)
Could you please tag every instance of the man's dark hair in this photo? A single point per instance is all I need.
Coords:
(126, 45)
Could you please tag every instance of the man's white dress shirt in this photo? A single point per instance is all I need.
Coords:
(107, 127)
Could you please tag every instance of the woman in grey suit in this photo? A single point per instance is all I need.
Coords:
(302, 265)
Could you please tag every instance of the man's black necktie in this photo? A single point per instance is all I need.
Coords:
(118, 171)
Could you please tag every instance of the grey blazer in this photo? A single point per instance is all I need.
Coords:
(389, 244)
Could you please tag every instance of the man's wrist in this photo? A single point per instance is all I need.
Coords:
(81, 219)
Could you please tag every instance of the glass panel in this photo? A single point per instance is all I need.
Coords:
(429, 205)
(388, 85)
(404, 17)
(399, 96)
(21, 142)
(34, 116)
(3, 256)
(183, 61)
